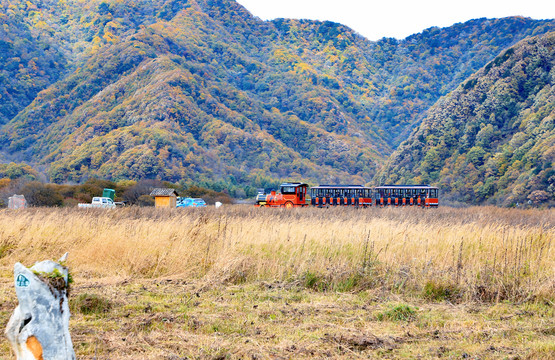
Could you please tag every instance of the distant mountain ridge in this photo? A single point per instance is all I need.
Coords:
(202, 91)
(493, 138)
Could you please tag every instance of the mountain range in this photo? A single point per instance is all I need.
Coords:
(201, 91)
(493, 137)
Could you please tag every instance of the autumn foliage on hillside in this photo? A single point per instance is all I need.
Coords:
(201, 91)
(494, 137)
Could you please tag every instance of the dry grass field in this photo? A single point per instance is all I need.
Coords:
(240, 282)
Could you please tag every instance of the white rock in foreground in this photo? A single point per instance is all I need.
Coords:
(39, 326)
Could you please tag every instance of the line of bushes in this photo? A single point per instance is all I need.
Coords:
(131, 192)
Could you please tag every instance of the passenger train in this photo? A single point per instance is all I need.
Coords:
(296, 195)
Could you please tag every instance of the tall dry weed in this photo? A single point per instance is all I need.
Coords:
(486, 253)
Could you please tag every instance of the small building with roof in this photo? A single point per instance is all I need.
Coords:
(164, 197)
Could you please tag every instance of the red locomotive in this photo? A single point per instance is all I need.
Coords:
(290, 195)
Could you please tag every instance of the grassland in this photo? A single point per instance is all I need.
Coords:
(240, 282)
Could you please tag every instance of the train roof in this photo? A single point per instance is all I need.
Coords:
(405, 187)
(293, 184)
(340, 187)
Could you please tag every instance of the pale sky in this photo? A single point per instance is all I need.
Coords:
(398, 19)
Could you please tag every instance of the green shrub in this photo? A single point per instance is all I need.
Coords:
(439, 291)
(39, 194)
(399, 312)
(347, 284)
(88, 304)
(311, 280)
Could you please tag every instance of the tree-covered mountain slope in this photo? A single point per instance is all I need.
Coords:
(493, 138)
(174, 97)
(200, 90)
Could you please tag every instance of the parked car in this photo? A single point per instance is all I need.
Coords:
(99, 202)
(190, 202)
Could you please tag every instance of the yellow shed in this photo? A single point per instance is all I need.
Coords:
(164, 197)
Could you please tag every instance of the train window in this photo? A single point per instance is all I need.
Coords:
(288, 189)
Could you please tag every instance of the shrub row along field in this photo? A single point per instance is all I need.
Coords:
(203, 283)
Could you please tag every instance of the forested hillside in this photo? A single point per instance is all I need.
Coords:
(200, 90)
(493, 138)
